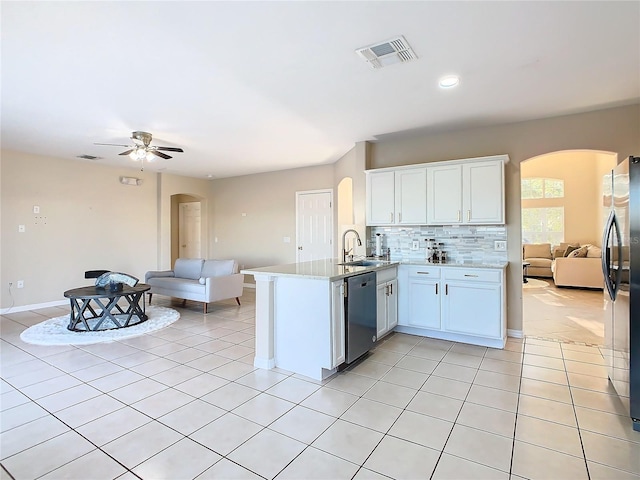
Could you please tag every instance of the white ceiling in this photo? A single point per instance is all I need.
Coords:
(248, 87)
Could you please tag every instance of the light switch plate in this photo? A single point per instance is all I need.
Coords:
(415, 245)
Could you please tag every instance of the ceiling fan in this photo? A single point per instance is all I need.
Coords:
(143, 151)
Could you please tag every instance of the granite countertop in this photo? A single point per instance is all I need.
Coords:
(331, 268)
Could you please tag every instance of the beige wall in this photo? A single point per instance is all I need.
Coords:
(252, 214)
(582, 173)
(611, 130)
(88, 220)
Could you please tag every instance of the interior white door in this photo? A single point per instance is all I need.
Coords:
(314, 225)
(189, 220)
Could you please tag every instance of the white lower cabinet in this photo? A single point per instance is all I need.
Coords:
(453, 303)
(387, 300)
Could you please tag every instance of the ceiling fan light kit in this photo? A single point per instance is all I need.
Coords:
(138, 152)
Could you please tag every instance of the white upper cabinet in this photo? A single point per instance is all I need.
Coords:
(483, 192)
(444, 194)
(381, 198)
(397, 197)
(466, 193)
(469, 191)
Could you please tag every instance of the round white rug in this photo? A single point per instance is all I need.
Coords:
(54, 331)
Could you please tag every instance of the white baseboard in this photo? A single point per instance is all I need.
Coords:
(34, 306)
(514, 333)
(249, 285)
(265, 363)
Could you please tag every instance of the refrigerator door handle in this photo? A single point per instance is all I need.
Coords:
(606, 255)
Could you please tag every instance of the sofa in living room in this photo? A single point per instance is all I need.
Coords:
(569, 264)
(198, 279)
(580, 267)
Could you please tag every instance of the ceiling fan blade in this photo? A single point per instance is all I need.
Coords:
(160, 154)
(127, 152)
(170, 149)
(113, 144)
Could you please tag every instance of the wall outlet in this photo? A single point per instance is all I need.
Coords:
(500, 245)
(415, 245)
(21, 229)
(20, 284)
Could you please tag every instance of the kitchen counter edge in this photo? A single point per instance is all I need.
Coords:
(331, 269)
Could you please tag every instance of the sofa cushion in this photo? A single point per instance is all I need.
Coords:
(188, 268)
(569, 249)
(579, 253)
(537, 250)
(218, 268)
(540, 262)
(594, 252)
(177, 286)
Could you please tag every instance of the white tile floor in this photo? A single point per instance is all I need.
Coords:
(186, 402)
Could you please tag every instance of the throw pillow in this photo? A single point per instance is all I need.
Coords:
(570, 249)
(594, 252)
(579, 253)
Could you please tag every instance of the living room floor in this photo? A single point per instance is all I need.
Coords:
(564, 314)
(186, 402)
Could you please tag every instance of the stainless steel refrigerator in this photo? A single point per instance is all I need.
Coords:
(621, 269)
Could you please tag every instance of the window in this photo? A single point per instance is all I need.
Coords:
(543, 225)
(542, 188)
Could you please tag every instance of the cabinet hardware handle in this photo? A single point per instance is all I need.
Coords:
(468, 215)
(391, 217)
(399, 217)
(391, 289)
(458, 215)
(422, 273)
(300, 248)
(469, 275)
(446, 289)
(436, 288)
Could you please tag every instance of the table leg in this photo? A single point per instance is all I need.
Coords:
(134, 308)
(106, 313)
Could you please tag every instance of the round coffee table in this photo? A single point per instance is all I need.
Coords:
(94, 308)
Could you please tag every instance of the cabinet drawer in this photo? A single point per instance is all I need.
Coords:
(386, 274)
(423, 272)
(475, 275)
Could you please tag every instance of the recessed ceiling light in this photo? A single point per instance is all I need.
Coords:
(449, 81)
(210, 175)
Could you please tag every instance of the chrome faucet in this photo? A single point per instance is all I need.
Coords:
(345, 252)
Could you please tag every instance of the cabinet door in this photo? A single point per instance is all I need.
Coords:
(381, 198)
(411, 196)
(392, 305)
(381, 308)
(444, 194)
(424, 303)
(337, 323)
(483, 192)
(473, 308)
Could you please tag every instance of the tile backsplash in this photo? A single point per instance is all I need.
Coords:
(462, 243)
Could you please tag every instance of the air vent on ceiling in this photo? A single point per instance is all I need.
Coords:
(89, 157)
(387, 53)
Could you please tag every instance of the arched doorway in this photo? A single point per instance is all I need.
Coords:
(562, 209)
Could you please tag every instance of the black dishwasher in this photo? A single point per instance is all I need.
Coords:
(360, 315)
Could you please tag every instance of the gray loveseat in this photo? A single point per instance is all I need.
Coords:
(198, 279)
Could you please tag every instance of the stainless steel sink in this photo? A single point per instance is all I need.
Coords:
(364, 263)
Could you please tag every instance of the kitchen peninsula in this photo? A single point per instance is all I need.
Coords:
(300, 318)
